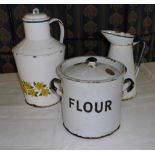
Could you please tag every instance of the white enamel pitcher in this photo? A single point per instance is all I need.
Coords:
(37, 57)
(121, 49)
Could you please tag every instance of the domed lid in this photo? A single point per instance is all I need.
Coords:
(35, 16)
(90, 69)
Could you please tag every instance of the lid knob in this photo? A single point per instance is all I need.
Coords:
(35, 11)
(92, 62)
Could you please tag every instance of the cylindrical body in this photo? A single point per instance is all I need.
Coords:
(37, 57)
(124, 54)
(91, 110)
(91, 100)
(36, 73)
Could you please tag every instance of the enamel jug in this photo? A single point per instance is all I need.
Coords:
(121, 49)
(37, 57)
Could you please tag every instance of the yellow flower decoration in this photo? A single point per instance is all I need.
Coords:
(24, 89)
(32, 92)
(44, 92)
(39, 85)
(26, 86)
(35, 89)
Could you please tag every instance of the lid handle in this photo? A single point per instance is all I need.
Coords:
(35, 11)
(92, 61)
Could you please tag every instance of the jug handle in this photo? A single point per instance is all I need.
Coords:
(141, 55)
(55, 86)
(128, 86)
(61, 27)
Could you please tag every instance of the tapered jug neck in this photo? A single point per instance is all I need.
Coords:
(37, 31)
(36, 25)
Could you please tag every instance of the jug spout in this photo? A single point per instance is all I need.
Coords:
(118, 38)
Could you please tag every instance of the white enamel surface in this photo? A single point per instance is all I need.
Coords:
(37, 31)
(118, 38)
(91, 124)
(124, 54)
(39, 69)
(38, 47)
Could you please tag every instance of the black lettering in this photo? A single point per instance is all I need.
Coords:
(97, 109)
(108, 105)
(87, 107)
(78, 108)
(71, 101)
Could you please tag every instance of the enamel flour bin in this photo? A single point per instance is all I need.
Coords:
(37, 57)
(91, 90)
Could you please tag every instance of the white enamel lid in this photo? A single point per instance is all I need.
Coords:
(90, 69)
(35, 16)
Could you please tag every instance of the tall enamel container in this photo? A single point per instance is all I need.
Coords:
(37, 57)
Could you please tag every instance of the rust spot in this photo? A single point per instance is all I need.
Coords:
(78, 64)
(109, 71)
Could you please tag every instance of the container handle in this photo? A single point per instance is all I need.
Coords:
(61, 27)
(141, 55)
(128, 85)
(55, 86)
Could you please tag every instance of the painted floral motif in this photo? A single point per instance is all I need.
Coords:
(36, 89)
(39, 85)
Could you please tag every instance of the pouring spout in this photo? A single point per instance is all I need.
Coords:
(118, 38)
